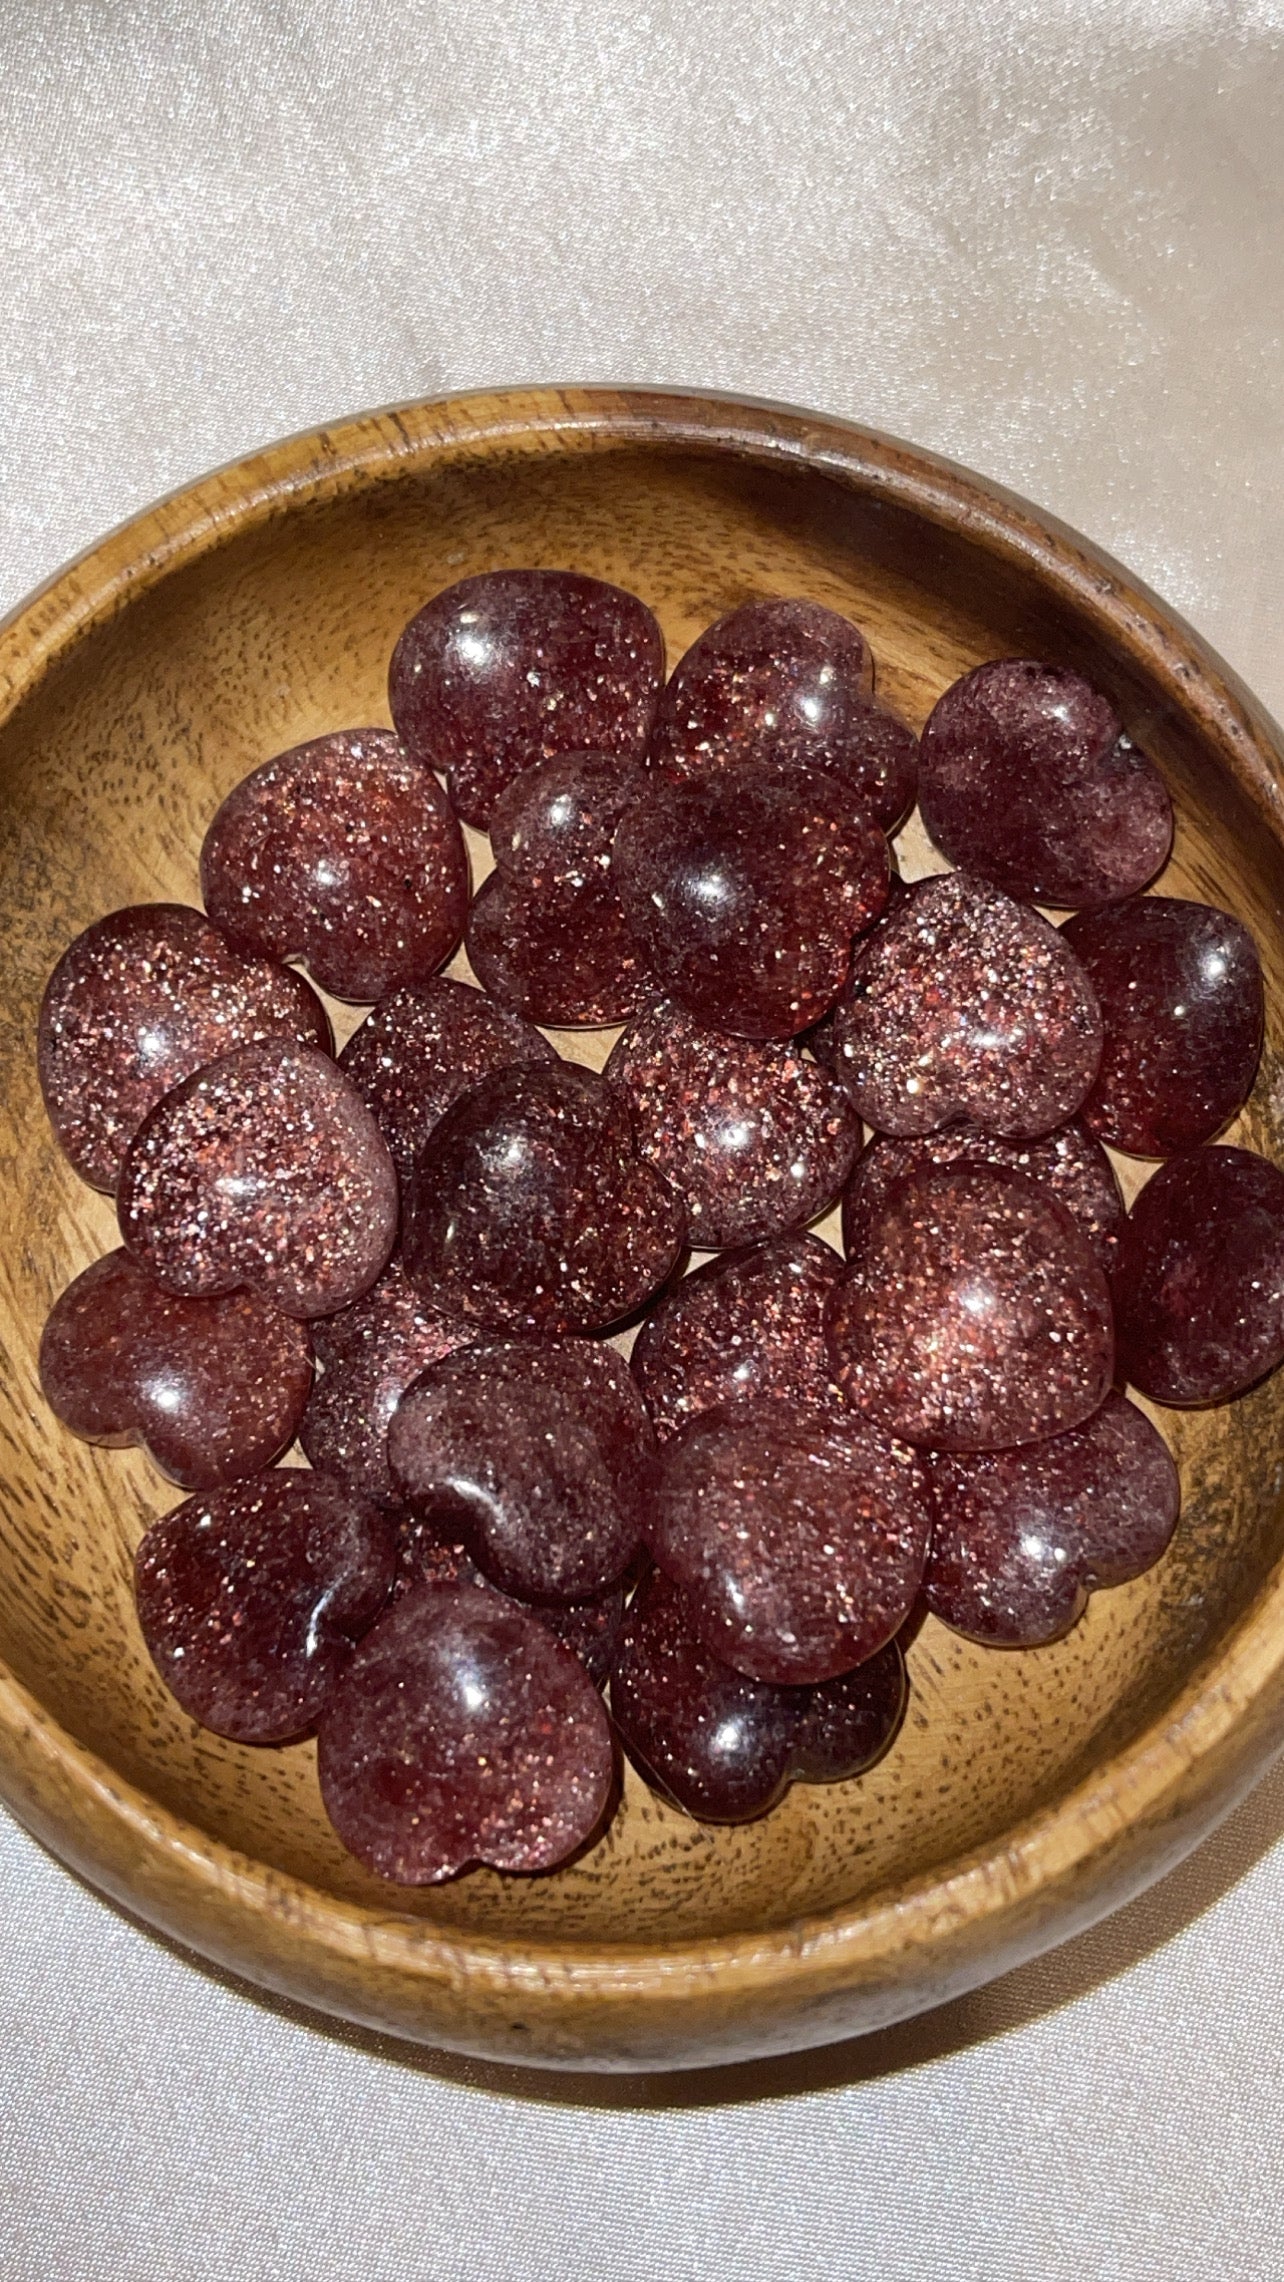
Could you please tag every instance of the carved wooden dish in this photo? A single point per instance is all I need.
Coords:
(1028, 1793)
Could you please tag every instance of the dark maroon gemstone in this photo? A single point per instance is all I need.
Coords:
(421, 1049)
(967, 1005)
(213, 1389)
(1182, 1006)
(369, 1353)
(1071, 1162)
(801, 1543)
(975, 1314)
(747, 1326)
(529, 1209)
(788, 682)
(822, 1039)
(745, 890)
(566, 956)
(136, 1004)
(509, 668)
(588, 1628)
(851, 1721)
(1199, 1288)
(552, 830)
(346, 854)
(538, 1455)
(461, 1733)
(1027, 779)
(264, 1169)
(1021, 1537)
(754, 1138)
(250, 1600)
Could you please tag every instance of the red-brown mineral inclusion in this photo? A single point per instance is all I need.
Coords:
(1199, 1288)
(463, 1732)
(369, 1353)
(266, 1169)
(747, 1327)
(1021, 1537)
(212, 1388)
(136, 1004)
(345, 853)
(1027, 779)
(799, 1543)
(506, 669)
(419, 1050)
(250, 1600)
(974, 1315)
(745, 890)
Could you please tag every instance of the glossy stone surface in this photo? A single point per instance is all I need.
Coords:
(786, 681)
(745, 890)
(724, 1746)
(801, 1545)
(506, 669)
(567, 957)
(1071, 1162)
(822, 1038)
(747, 1327)
(462, 1732)
(1199, 1289)
(529, 1209)
(250, 1600)
(552, 830)
(538, 1455)
(967, 1006)
(419, 1050)
(213, 1389)
(263, 1169)
(369, 1353)
(975, 1314)
(1027, 779)
(1021, 1537)
(589, 1628)
(754, 1138)
(1182, 1005)
(136, 1004)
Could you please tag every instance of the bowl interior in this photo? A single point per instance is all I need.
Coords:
(110, 770)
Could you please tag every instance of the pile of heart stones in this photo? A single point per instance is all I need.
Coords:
(410, 1257)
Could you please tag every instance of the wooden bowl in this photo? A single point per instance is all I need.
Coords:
(1028, 1793)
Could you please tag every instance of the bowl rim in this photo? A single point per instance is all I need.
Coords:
(907, 1946)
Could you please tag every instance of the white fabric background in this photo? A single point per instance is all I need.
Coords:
(1047, 239)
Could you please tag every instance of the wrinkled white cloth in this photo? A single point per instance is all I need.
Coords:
(1047, 238)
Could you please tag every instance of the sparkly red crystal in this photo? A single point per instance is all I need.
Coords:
(567, 957)
(1199, 1288)
(747, 1327)
(1070, 1161)
(369, 1353)
(589, 1628)
(421, 1049)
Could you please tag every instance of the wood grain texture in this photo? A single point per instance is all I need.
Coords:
(1028, 1793)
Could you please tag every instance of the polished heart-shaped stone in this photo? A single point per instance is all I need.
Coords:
(746, 1327)
(506, 669)
(369, 1354)
(754, 1137)
(589, 1628)
(345, 853)
(251, 1598)
(1199, 1286)
(213, 1389)
(745, 890)
(1021, 1537)
(462, 1732)
(266, 1169)
(552, 830)
(564, 956)
(1070, 1161)
(1027, 779)
(529, 1208)
(967, 1005)
(135, 1005)
(800, 1543)
(419, 1050)
(975, 1314)
(538, 1454)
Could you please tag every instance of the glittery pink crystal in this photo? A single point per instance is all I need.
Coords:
(265, 1169)
(1199, 1288)
(747, 1327)
(1071, 1161)
(421, 1049)
(974, 1315)
(567, 956)
(1028, 780)
(212, 1388)
(369, 1353)
(136, 1004)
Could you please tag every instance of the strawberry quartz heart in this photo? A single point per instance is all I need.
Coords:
(966, 1005)
(419, 1050)
(1027, 779)
(1071, 1161)
(369, 1353)
(746, 1327)
(589, 1628)
(265, 1169)
(1199, 1287)
(974, 1315)
(568, 957)
(462, 1732)
(135, 1005)
(212, 1388)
